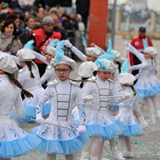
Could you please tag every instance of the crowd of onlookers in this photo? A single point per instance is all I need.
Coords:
(18, 18)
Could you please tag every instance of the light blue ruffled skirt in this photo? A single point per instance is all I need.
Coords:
(102, 124)
(59, 140)
(30, 113)
(132, 127)
(14, 141)
(147, 87)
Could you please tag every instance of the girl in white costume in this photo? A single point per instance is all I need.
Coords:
(62, 93)
(126, 115)
(14, 141)
(29, 77)
(99, 123)
(147, 85)
(92, 53)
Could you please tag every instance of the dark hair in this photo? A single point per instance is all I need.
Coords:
(132, 87)
(7, 23)
(29, 65)
(15, 82)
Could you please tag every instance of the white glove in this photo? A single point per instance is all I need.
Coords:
(120, 105)
(126, 44)
(68, 44)
(87, 98)
(81, 129)
(126, 95)
(40, 119)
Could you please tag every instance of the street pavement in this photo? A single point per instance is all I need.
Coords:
(145, 146)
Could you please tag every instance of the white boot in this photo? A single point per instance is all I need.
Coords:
(116, 154)
(143, 122)
(84, 155)
(158, 113)
(152, 119)
(93, 158)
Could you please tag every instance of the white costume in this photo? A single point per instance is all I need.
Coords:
(14, 140)
(32, 85)
(62, 94)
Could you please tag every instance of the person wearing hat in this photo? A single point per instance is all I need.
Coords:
(126, 115)
(92, 53)
(49, 72)
(42, 37)
(138, 44)
(100, 126)
(147, 85)
(62, 135)
(15, 142)
(30, 80)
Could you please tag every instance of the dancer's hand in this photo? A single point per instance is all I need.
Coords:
(40, 119)
(126, 95)
(87, 98)
(81, 129)
(67, 43)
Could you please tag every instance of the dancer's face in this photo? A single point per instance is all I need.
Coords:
(91, 58)
(103, 75)
(62, 71)
(111, 76)
(48, 57)
(147, 56)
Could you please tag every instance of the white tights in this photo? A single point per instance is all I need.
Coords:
(95, 145)
(53, 157)
(121, 140)
(152, 102)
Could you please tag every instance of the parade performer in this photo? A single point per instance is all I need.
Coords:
(29, 77)
(126, 115)
(148, 85)
(99, 123)
(63, 136)
(14, 141)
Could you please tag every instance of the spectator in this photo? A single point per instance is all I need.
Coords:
(52, 3)
(26, 4)
(66, 5)
(16, 18)
(29, 25)
(82, 8)
(9, 41)
(42, 37)
(56, 28)
(138, 44)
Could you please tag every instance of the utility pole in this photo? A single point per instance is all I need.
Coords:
(113, 22)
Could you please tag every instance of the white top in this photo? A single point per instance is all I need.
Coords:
(101, 90)
(25, 79)
(49, 74)
(63, 95)
(10, 96)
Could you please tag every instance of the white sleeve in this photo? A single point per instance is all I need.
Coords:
(44, 97)
(138, 54)
(79, 54)
(16, 59)
(103, 52)
(139, 66)
(40, 57)
(19, 109)
(45, 76)
(81, 107)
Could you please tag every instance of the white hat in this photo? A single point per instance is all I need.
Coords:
(94, 52)
(25, 55)
(51, 50)
(118, 57)
(65, 60)
(86, 69)
(7, 64)
(152, 51)
(126, 78)
(105, 65)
